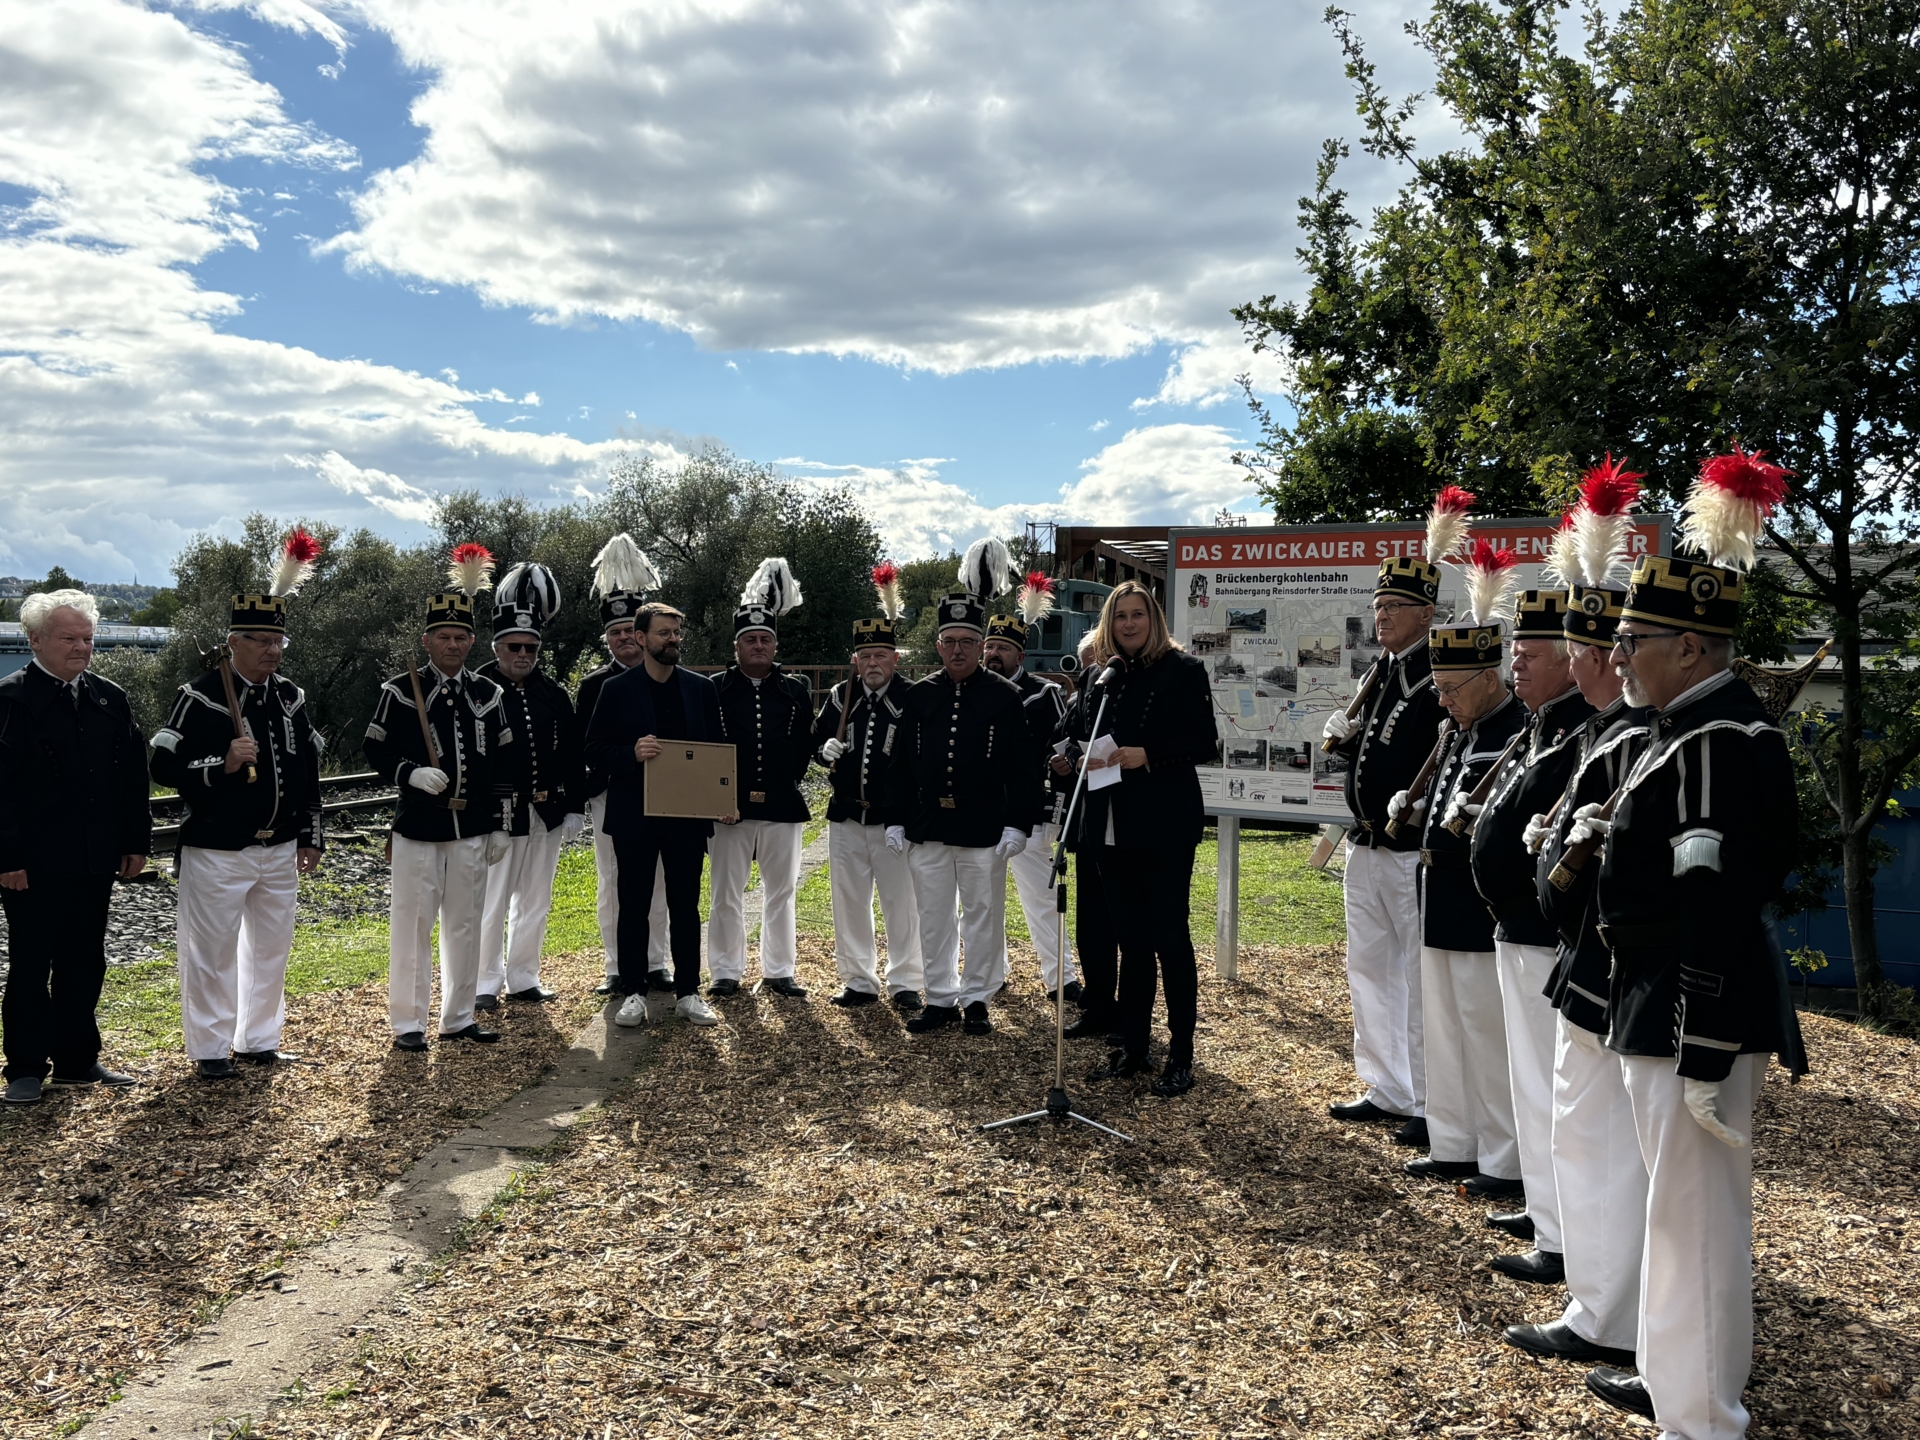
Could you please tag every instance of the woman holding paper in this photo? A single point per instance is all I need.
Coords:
(1141, 819)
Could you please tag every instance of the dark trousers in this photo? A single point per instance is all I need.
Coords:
(1148, 890)
(57, 962)
(681, 858)
(1095, 942)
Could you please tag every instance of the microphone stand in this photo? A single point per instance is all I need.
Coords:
(1059, 1105)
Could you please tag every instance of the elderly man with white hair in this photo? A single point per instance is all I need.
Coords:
(73, 815)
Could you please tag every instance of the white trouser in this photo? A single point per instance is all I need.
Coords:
(1033, 878)
(235, 914)
(606, 909)
(513, 927)
(1695, 1346)
(1469, 1098)
(859, 863)
(444, 880)
(1523, 973)
(776, 845)
(962, 893)
(1383, 977)
(1602, 1184)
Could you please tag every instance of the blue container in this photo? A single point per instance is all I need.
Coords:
(1896, 913)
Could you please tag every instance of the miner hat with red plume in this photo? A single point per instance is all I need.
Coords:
(266, 613)
(1721, 522)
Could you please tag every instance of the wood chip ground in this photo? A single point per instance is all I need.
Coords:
(792, 1225)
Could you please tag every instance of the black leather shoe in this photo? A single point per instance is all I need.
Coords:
(1428, 1168)
(471, 1032)
(25, 1090)
(98, 1075)
(851, 999)
(412, 1040)
(258, 1057)
(907, 1002)
(1075, 994)
(1364, 1109)
(215, 1069)
(484, 1003)
(1413, 1133)
(933, 1017)
(532, 995)
(723, 989)
(785, 985)
(1492, 1187)
(608, 986)
(1121, 1066)
(1173, 1081)
(1558, 1342)
(1088, 1027)
(975, 1021)
(1623, 1392)
(1536, 1267)
(659, 980)
(1516, 1223)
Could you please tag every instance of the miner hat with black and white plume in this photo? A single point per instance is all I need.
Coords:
(524, 601)
(770, 592)
(623, 578)
(986, 573)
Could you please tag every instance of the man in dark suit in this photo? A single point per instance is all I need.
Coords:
(654, 701)
(73, 815)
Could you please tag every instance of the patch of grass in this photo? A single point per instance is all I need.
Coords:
(140, 1008)
(1283, 901)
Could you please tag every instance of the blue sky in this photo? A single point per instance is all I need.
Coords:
(334, 258)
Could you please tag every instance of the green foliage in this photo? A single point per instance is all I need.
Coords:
(161, 608)
(145, 678)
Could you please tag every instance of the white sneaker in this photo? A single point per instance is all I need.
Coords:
(696, 1011)
(632, 1011)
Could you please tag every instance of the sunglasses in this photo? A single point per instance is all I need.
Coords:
(514, 648)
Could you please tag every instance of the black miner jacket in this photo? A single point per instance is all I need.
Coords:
(224, 812)
(1503, 869)
(594, 781)
(859, 779)
(965, 767)
(1394, 739)
(471, 733)
(543, 764)
(73, 782)
(1700, 844)
(771, 727)
(1578, 986)
(1046, 707)
(1452, 914)
(1165, 708)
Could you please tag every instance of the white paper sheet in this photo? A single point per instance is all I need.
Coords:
(1102, 749)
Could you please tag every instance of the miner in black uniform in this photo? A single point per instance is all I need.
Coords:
(1528, 783)
(1469, 1099)
(251, 828)
(965, 792)
(454, 814)
(855, 738)
(1600, 1180)
(1384, 747)
(622, 578)
(1696, 845)
(767, 715)
(549, 804)
(73, 815)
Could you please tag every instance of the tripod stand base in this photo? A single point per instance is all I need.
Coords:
(1059, 1107)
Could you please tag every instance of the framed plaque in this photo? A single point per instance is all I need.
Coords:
(692, 780)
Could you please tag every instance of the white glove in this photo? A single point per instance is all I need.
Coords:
(1587, 825)
(1399, 803)
(833, 750)
(1701, 1095)
(1458, 809)
(572, 825)
(1012, 842)
(498, 843)
(1339, 727)
(428, 779)
(897, 839)
(1535, 835)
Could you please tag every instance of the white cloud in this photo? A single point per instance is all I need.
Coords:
(131, 419)
(930, 184)
(1208, 373)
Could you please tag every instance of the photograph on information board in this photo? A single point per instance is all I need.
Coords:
(1283, 620)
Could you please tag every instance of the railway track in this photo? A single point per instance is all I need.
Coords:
(166, 833)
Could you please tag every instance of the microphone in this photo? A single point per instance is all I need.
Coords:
(1113, 669)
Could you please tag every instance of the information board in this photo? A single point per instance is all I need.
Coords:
(1282, 618)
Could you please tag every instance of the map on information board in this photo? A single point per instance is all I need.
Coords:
(1283, 620)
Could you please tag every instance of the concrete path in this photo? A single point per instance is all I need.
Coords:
(270, 1338)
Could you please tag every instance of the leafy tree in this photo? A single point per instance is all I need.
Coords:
(1703, 227)
(161, 608)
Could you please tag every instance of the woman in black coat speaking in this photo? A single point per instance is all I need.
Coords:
(1140, 834)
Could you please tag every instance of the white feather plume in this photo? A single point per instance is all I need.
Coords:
(1492, 577)
(987, 569)
(622, 565)
(1563, 555)
(1604, 544)
(1447, 523)
(295, 565)
(529, 587)
(772, 587)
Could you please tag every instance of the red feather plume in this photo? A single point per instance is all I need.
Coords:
(302, 548)
(885, 573)
(1454, 498)
(1609, 488)
(1037, 580)
(1486, 557)
(1746, 475)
